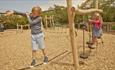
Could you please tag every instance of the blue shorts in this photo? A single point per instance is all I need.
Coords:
(38, 41)
(97, 32)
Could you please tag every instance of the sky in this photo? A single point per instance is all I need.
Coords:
(26, 5)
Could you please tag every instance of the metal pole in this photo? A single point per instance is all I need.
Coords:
(83, 40)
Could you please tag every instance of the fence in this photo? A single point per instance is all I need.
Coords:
(107, 26)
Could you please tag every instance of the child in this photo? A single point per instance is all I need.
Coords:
(97, 27)
(37, 34)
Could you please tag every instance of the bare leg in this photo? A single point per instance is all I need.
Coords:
(33, 57)
(34, 54)
(43, 51)
(45, 56)
(94, 40)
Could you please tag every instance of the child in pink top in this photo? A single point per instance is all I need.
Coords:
(97, 27)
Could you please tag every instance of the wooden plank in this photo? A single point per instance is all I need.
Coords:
(53, 58)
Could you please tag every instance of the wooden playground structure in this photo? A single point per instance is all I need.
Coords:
(71, 14)
(48, 21)
(107, 26)
(21, 27)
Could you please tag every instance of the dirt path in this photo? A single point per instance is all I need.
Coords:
(15, 51)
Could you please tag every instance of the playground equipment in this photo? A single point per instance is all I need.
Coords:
(107, 26)
(21, 27)
(84, 55)
(49, 21)
(71, 15)
(89, 43)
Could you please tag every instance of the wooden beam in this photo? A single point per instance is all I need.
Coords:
(72, 33)
(81, 11)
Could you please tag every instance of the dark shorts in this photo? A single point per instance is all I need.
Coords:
(97, 32)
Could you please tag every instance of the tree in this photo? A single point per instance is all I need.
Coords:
(59, 12)
(108, 7)
(12, 20)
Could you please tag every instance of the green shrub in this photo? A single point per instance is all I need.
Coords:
(113, 28)
(13, 20)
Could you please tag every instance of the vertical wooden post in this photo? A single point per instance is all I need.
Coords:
(53, 20)
(97, 4)
(46, 21)
(50, 21)
(110, 27)
(17, 27)
(28, 26)
(21, 28)
(107, 27)
(42, 26)
(72, 34)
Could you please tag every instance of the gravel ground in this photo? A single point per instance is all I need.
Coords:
(15, 51)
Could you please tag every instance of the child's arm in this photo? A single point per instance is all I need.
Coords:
(32, 22)
(94, 21)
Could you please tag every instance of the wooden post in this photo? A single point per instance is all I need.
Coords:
(107, 27)
(17, 27)
(21, 28)
(45, 20)
(72, 34)
(78, 26)
(42, 26)
(50, 21)
(28, 26)
(53, 20)
(97, 4)
(110, 27)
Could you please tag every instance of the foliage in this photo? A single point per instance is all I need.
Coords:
(12, 20)
(60, 14)
(113, 28)
(108, 7)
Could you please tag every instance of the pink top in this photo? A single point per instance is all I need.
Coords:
(97, 23)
